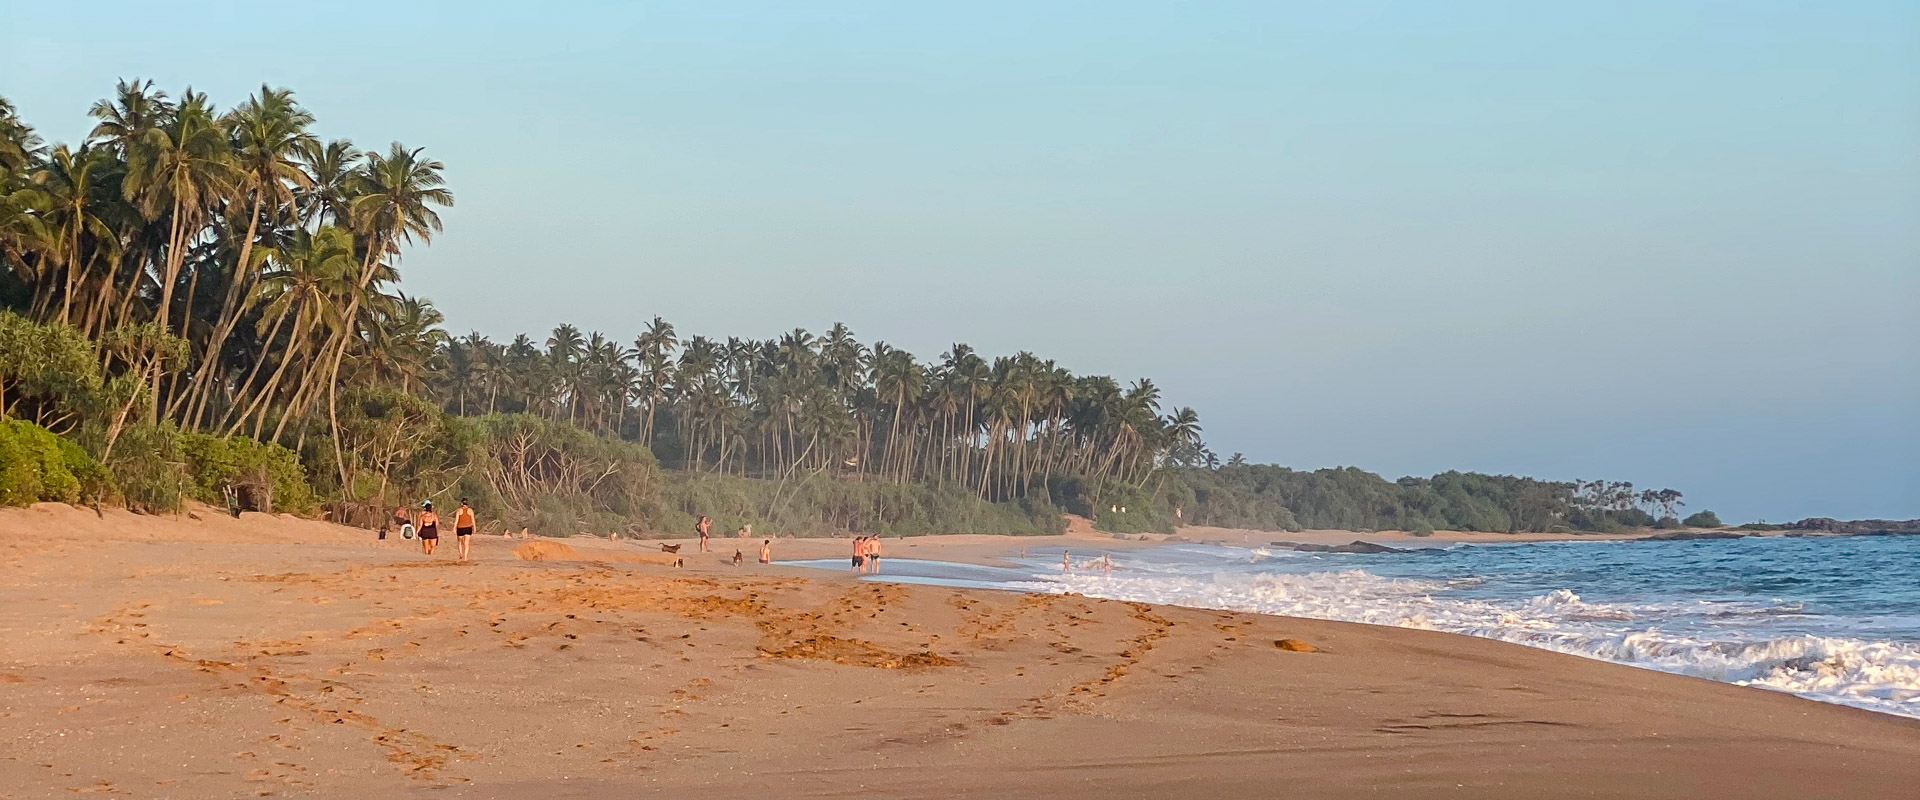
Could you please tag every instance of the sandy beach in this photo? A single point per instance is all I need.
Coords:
(270, 656)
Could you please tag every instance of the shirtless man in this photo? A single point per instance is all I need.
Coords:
(463, 528)
(705, 526)
(860, 553)
(766, 552)
(873, 555)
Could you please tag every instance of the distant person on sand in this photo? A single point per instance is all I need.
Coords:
(429, 528)
(463, 528)
(766, 552)
(738, 557)
(704, 526)
(400, 519)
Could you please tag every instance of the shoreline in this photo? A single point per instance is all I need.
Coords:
(312, 660)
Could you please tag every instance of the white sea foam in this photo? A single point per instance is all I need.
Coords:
(1877, 675)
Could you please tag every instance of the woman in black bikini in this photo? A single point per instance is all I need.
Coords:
(429, 528)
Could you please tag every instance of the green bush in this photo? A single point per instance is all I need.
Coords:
(149, 468)
(38, 466)
(1704, 519)
(215, 462)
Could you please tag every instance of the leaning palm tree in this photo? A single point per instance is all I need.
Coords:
(397, 193)
(268, 130)
(180, 172)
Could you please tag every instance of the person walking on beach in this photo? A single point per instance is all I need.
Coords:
(704, 527)
(463, 528)
(766, 552)
(429, 528)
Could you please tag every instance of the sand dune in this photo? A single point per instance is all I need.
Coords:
(270, 656)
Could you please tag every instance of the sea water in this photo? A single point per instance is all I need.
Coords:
(1829, 618)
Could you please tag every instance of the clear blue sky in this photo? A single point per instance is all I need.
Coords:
(1670, 242)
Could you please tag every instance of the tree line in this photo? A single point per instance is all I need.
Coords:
(219, 290)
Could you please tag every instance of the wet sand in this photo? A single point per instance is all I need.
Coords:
(179, 658)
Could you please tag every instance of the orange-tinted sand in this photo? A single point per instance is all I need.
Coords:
(176, 658)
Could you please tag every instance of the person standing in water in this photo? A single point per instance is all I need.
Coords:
(873, 555)
(1066, 561)
(704, 526)
(463, 528)
(766, 552)
(860, 553)
(429, 528)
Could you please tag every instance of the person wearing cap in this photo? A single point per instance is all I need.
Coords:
(429, 528)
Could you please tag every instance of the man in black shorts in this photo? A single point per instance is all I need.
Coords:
(463, 528)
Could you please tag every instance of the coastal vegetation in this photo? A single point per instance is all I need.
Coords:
(198, 303)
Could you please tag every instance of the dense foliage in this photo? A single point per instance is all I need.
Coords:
(36, 466)
(1264, 497)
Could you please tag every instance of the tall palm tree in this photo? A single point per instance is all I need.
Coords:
(267, 133)
(394, 203)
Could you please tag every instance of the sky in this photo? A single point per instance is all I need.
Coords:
(1676, 243)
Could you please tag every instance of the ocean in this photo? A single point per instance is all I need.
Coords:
(1835, 619)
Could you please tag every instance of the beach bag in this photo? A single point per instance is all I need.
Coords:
(406, 531)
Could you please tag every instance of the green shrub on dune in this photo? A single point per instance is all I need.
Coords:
(38, 466)
(214, 463)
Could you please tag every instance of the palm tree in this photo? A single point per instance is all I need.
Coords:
(655, 349)
(179, 173)
(394, 203)
(71, 181)
(326, 190)
(267, 133)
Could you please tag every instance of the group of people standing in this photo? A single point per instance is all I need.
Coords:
(427, 523)
(866, 554)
